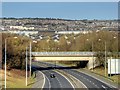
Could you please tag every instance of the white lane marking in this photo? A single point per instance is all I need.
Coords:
(59, 82)
(104, 87)
(87, 80)
(44, 79)
(79, 81)
(96, 86)
(66, 79)
(48, 81)
(56, 78)
(111, 86)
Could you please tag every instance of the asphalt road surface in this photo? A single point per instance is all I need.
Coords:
(61, 82)
(58, 82)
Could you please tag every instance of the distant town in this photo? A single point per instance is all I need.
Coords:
(36, 28)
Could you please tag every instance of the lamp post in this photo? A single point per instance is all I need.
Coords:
(93, 56)
(115, 57)
(30, 59)
(26, 66)
(92, 53)
(105, 58)
(6, 59)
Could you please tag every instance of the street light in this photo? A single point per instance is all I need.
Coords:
(92, 54)
(31, 55)
(105, 56)
(111, 59)
(6, 58)
(115, 58)
(26, 66)
(5, 62)
(30, 59)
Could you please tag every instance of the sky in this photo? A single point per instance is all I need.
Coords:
(60, 0)
(63, 10)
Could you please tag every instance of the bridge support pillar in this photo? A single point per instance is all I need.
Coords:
(92, 63)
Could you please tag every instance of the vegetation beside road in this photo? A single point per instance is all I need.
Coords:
(98, 71)
(101, 71)
(80, 43)
(91, 42)
(16, 79)
(15, 50)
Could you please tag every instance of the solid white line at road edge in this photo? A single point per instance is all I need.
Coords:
(66, 78)
(79, 81)
(48, 81)
(44, 79)
(99, 80)
(103, 86)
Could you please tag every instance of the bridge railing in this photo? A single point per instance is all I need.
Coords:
(63, 53)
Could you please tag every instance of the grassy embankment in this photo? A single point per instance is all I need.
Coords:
(100, 71)
(16, 79)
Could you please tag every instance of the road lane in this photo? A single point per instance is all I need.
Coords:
(89, 81)
(47, 83)
(40, 80)
(93, 81)
(59, 81)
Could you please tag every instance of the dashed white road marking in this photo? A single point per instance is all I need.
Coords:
(96, 86)
(59, 82)
(111, 86)
(78, 80)
(104, 87)
(87, 80)
(66, 79)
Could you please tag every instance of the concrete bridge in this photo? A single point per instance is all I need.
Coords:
(88, 57)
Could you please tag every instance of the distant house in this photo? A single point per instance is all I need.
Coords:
(21, 28)
(73, 32)
(27, 33)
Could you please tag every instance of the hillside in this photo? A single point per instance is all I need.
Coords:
(57, 24)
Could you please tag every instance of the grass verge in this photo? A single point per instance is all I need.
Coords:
(16, 79)
(100, 71)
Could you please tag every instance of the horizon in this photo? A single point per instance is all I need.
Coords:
(61, 10)
(54, 18)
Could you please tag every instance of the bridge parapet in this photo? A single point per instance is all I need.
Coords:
(63, 53)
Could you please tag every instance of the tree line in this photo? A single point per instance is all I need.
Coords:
(92, 42)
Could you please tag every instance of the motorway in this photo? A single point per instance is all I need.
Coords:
(60, 81)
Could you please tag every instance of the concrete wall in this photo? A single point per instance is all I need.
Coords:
(93, 63)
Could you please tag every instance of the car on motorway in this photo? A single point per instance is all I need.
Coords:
(52, 75)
